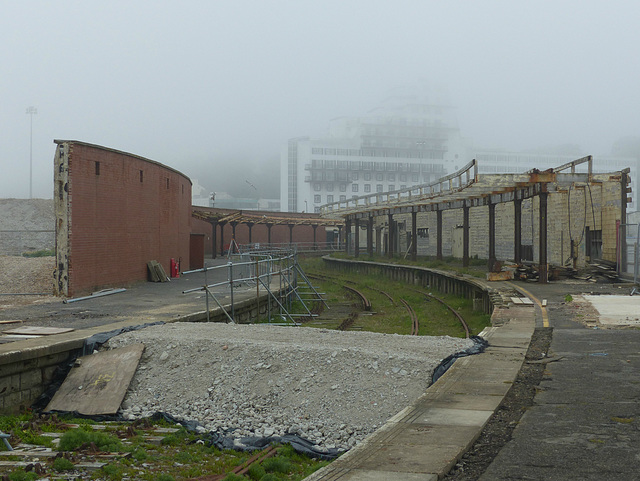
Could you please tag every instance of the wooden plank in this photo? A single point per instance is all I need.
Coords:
(37, 330)
(11, 321)
(98, 385)
(516, 300)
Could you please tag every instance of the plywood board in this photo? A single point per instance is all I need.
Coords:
(37, 330)
(99, 383)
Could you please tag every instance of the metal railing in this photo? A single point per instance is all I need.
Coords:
(259, 270)
(450, 183)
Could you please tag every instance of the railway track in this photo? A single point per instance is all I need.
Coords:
(366, 303)
(463, 323)
(415, 325)
(243, 468)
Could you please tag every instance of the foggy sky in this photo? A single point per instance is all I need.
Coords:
(204, 85)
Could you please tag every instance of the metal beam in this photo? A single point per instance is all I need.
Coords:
(439, 234)
(465, 236)
(543, 268)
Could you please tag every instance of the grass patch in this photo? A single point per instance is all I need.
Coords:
(78, 438)
(179, 457)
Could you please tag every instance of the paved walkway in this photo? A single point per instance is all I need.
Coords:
(585, 422)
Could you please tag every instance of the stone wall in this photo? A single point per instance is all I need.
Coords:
(570, 213)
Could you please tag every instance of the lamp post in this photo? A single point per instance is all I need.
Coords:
(31, 111)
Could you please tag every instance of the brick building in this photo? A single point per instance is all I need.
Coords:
(115, 212)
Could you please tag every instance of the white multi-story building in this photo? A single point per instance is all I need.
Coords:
(411, 138)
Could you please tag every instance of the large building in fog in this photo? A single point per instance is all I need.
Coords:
(411, 138)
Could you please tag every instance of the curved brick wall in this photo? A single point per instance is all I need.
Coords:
(115, 212)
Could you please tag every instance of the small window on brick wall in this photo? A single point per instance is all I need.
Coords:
(167, 182)
(141, 175)
(97, 168)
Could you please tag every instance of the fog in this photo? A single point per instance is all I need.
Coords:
(215, 88)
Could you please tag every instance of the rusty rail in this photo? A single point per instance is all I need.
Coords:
(415, 325)
(243, 468)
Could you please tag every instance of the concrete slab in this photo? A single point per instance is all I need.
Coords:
(617, 310)
(454, 400)
(400, 458)
(366, 475)
(452, 417)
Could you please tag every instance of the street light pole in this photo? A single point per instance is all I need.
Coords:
(31, 111)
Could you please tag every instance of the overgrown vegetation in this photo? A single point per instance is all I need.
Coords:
(179, 455)
(392, 317)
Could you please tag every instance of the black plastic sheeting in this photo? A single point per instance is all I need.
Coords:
(90, 344)
(479, 345)
(222, 440)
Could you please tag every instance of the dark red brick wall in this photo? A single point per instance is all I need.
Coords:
(119, 222)
(199, 226)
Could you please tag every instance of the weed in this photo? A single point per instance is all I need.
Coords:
(270, 477)
(279, 464)
(72, 440)
(165, 477)
(139, 454)
(21, 475)
(234, 477)
(568, 298)
(63, 464)
(256, 472)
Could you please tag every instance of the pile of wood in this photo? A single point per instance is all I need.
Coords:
(156, 272)
(595, 272)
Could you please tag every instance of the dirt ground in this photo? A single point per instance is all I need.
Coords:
(25, 275)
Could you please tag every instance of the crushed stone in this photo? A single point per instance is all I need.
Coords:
(331, 387)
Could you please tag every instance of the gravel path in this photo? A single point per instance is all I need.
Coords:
(331, 387)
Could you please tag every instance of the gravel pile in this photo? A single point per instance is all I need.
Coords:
(331, 387)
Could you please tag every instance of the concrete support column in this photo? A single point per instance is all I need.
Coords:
(439, 234)
(414, 236)
(370, 237)
(492, 236)
(232, 244)
(357, 238)
(291, 226)
(622, 259)
(465, 235)
(347, 235)
(269, 226)
(222, 237)
(379, 240)
(392, 234)
(214, 245)
(339, 236)
(543, 270)
(250, 225)
(517, 231)
(315, 242)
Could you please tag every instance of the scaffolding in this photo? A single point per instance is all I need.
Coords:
(275, 272)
